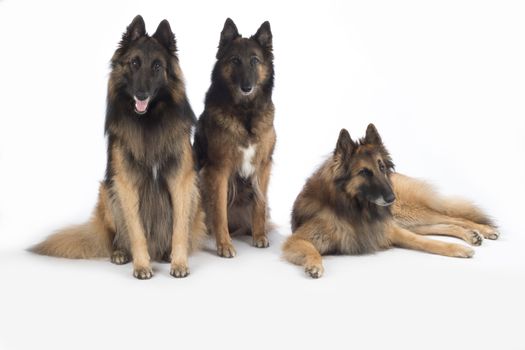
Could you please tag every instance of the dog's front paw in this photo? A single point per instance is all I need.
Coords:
(474, 237)
(226, 250)
(314, 270)
(461, 251)
(120, 257)
(179, 270)
(261, 242)
(143, 273)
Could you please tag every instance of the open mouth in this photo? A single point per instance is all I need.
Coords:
(141, 106)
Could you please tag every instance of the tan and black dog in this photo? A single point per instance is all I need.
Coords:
(149, 204)
(235, 138)
(349, 206)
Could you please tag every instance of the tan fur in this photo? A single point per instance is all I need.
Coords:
(235, 138)
(73, 242)
(263, 72)
(299, 250)
(178, 91)
(419, 205)
(94, 238)
(127, 193)
(149, 205)
(329, 220)
(89, 240)
(216, 207)
(259, 217)
(218, 179)
(471, 236)
(406, 239)
(182, 186)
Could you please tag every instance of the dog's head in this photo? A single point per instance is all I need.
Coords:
(245, 65)
(363, 168)
(145, 68)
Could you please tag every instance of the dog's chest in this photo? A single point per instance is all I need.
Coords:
(247, 167)
(363, 239)
(155, 171)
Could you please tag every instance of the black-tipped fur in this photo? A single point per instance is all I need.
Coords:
(238, 120)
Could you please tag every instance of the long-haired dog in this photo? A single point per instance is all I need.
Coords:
(349, 206)
(235, 138)
(149, 203)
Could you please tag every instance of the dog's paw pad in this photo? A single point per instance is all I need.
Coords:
(314, 271)
(226, 250)
(143, 273)
(261, 242)
(179, 271)
(119, 257)
(475, 238)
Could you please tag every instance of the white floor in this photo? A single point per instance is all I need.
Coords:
(443, 81)
(394, 299)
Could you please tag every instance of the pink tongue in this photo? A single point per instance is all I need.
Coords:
(141, 105)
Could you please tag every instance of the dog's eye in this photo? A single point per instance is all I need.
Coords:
(381, 166)
(255, 60)
(135, 63)
(365, 172)
(235, 60)
(156, 67)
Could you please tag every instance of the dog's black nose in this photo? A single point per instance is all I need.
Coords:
(141, 95)
(390, 198)
(246, 88)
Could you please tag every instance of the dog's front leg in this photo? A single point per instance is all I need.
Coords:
(299, 249)
(215, 200)
(128, 196)
(181, 186)
(260, 206)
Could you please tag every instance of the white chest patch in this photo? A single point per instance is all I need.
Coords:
(155, 171)
(247, 167)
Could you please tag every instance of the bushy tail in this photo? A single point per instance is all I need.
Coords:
(75, 242)
(461, 208)
(421, 193)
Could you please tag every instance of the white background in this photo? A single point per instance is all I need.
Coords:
(444, 82)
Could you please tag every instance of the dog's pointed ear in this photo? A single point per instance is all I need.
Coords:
(264, 36)
(345, 146)
(372, 136)
(229, 33)
(165, 36)
(135, 30)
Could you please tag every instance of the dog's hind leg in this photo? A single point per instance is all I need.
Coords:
(470, 236)
(401, 237)
(105, 222)
(486, 231)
